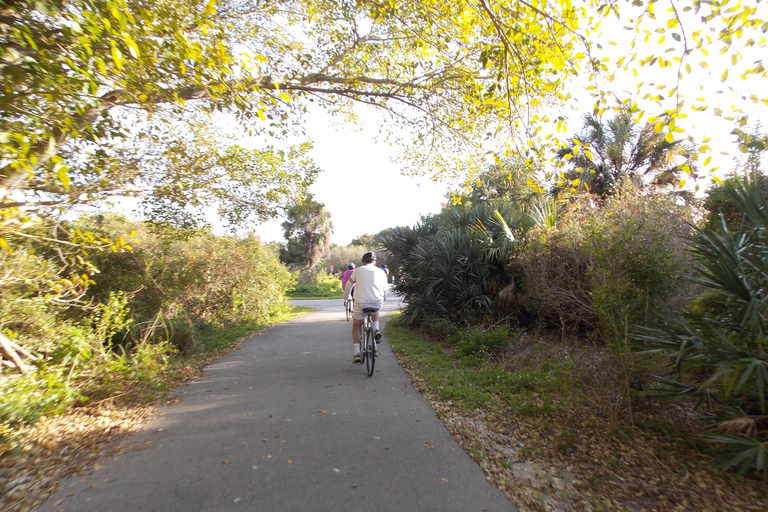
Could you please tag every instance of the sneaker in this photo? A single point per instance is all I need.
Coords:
(377, 336)
(357, 359)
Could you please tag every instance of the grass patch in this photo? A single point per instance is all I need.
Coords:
(314, 295)
(478, 453)
(316, 286)
(547, 422)
(455, 374)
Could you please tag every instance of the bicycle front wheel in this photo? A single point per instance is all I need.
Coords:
(370, 348)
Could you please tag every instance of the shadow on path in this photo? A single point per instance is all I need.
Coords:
(288, 423)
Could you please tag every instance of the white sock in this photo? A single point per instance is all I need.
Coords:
(375, 326)
(357, 348)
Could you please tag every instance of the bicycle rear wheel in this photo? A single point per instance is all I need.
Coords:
(348, 309)
(370, 348)
(361, 338)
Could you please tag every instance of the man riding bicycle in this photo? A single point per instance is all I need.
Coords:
(370, 285)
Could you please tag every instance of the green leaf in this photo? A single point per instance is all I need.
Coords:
(101, 65)
(62, 173)
(117, 57)
(210, 8)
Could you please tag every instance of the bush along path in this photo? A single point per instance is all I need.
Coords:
(545, 423)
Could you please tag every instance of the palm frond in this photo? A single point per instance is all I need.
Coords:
(749, 453)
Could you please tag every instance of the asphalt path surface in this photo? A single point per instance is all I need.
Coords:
(288, 423)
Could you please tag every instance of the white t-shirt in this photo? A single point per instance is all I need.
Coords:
(370, 286)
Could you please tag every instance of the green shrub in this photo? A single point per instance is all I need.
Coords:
(454, 265)
(481, 344)
(150, 359)
(178, 330)
(719, 203)
(441, 328)
(24, 399)
(641, 268)
(607, 267)
(196, 278)
(133, 310)
(717, 349)
(553, 272)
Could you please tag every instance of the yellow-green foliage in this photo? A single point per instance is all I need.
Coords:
(133, 311)
(203, 277)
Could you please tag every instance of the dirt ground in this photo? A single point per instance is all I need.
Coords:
(573, 461)
(63, 446)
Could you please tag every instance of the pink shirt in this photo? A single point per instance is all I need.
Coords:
(345, 276)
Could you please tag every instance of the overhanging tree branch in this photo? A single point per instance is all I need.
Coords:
(13, 177)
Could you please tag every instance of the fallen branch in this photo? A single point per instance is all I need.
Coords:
(11, 351)
(21, 350)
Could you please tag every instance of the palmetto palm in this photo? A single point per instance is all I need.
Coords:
(603, 153)
(720, 349)
(455, 264)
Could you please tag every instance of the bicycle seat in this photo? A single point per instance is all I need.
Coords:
(370, 310)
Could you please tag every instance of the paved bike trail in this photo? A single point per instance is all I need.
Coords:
(288, 423)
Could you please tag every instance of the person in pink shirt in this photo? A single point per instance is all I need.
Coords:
(346, 274)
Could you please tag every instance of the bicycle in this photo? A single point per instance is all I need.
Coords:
(367, 342)
(348, 307)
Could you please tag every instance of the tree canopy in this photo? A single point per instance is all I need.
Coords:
(510, 181)
(461, 78)
(308, 225)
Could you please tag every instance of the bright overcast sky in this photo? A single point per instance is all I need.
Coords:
(360, 185)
